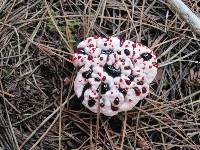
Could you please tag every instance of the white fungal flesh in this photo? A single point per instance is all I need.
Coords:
(113, 74)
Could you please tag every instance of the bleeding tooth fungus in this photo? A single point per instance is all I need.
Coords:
(114, 75)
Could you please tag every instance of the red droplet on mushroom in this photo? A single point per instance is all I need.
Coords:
(74, 59)
(102, 104)
(144, 90)
(99, 74)
(155, 64)
(128, 82)
(137, 91)
(114, 108)
(140, 83)
(127, 67)
(91, 45)
(104, 78)
(89, 40)
(116, 101)
(95, 36)
(90, 57)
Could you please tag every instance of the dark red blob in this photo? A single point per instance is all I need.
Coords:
(140, 83)
(137, 91)
(155, 64)
(104, 88)
(80, 51)
(107, 52)
(104, 78)
(89, 40)
(87, 74)
(97, 79)
(87, 86)
(91, 45)
(102, 104)
(99, 74)
(146, 56)
(127, 67)
(123, 91)
(127, 52)
(121, 41)
(128, 82)
(119, 52)
(114, 108)
(90, 57)
(132, 77)
(144, 90)
(96, 36)
(98, 89)
(91, 102)
(116, 101)
(112, 71)
(74, 58)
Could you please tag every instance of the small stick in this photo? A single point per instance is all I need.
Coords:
(6, 93)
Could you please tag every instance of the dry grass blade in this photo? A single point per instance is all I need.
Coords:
(123, 131)
(45, 133)
(56, 26)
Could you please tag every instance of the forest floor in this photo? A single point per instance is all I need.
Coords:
(38, 107)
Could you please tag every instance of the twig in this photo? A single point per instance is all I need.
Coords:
(6, 93)
(186, 14)
(124, 130)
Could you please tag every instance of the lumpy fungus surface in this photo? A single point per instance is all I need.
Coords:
(112, 75)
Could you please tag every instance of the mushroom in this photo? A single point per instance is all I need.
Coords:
(112, 74)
